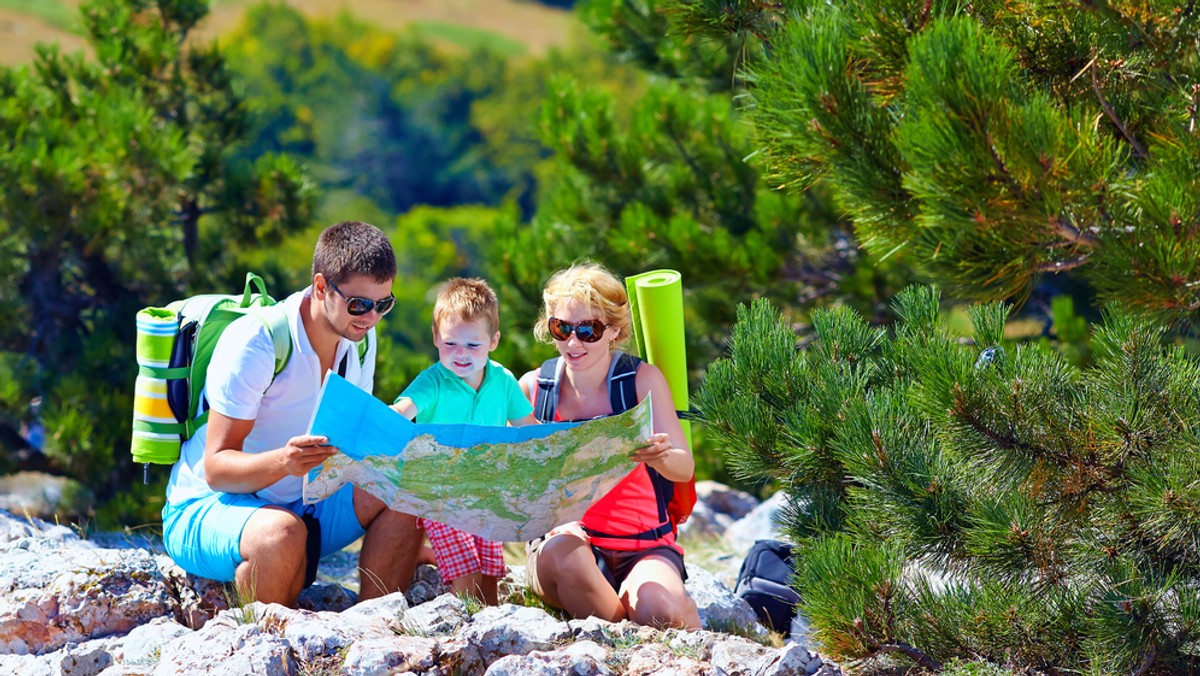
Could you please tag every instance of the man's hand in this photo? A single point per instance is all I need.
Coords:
(305, 452)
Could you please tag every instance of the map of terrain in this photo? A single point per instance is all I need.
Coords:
(501, 483)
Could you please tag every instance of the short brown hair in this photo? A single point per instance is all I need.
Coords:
(468, 300)
(354, 248)
(598, 289)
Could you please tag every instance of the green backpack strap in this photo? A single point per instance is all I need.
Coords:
(275, 319)
(364, 345)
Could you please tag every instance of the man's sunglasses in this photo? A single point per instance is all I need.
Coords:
(587, 331)
(359, 306)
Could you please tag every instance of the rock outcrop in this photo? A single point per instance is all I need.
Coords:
(87, 607)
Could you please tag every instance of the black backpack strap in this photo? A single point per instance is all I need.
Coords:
(361, 348)
(622, 382)
(312, 544)
(342, 364)
(546, 400)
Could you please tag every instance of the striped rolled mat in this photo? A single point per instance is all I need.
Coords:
(155, 429)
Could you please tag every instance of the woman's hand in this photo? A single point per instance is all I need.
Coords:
(656, 451)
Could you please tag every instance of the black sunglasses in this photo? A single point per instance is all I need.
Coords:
(359, 306)
(587, 331)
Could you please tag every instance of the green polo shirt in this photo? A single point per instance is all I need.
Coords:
(443, 397)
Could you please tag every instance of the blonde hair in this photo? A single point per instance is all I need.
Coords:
(597, 289)
(467, 300)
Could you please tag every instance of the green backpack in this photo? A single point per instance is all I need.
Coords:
(174, 347)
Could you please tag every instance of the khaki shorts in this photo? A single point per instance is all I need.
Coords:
(614, 564)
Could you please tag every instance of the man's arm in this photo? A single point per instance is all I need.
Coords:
(228, 469)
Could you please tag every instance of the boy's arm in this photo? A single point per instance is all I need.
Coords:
(405, 407)
(527, 420)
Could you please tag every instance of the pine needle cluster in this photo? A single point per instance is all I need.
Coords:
(976, 499)
(989, 143)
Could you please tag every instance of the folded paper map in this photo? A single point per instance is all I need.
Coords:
(501, 483)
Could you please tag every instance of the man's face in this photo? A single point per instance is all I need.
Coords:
(358, 293)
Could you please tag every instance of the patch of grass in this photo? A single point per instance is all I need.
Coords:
(524, 596)
(468, 38)
(772, 640)
(54, 12)
(325, 665)
(713, 554)
(407, 627)
(622, 640)
(979, 668)
(473, 604)
(242, 600)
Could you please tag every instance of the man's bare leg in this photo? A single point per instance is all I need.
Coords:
(389, 549)
(273, 557)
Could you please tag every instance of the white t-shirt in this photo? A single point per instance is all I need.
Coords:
(241, 369)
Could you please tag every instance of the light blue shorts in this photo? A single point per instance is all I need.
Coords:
(204, 535)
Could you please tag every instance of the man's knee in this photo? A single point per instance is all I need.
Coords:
(273, 532)
(370, 509)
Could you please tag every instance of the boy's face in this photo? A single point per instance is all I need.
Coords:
(463, 347)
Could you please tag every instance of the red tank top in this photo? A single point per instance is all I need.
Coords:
(630, 507)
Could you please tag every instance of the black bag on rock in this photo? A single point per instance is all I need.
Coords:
(765, 582)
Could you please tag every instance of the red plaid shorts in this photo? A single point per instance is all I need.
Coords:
(459, 553)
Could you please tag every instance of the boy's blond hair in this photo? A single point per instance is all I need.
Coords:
(598, 289)
(467, 300)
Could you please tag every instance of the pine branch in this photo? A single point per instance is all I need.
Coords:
(1060, 225)
(1148, 662)
(673, 134)
(1138, 149)
(1061, 266)
(1006, 442)
(1069, 232)
(912, 653)
(1194, 109)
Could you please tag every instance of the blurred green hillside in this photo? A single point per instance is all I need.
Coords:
(509, 25)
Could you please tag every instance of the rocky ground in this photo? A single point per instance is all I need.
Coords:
(114, 605)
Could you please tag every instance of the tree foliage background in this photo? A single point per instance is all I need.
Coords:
(118, 186)
(958, 494)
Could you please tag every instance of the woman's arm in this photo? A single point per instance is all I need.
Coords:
(528, 384)
(668, 452)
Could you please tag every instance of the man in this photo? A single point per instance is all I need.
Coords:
(234, 508)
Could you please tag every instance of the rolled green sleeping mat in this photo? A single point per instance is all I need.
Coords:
(656, 300)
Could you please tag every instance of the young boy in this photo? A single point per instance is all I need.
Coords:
(466, 387)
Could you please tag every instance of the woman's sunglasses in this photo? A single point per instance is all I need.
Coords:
(359, 306)
(587, 331)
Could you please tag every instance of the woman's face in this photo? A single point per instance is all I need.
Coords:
(578, 355)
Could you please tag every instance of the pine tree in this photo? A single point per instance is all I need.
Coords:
(990, 143)
(117, 189)
(977, 499)
(1031, 507)
(651, 171)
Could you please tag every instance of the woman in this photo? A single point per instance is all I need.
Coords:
(621, 560)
